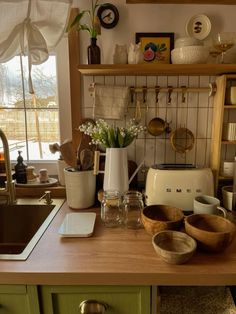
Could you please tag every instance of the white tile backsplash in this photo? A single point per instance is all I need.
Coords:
(195, 113)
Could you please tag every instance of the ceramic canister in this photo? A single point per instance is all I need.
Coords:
(80, 188)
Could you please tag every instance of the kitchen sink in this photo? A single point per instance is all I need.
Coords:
(23, 224)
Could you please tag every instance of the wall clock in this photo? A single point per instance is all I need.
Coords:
(108, 15)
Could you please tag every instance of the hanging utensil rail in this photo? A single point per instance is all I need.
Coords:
(211, 89)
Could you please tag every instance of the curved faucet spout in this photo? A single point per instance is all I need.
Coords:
(9, 191)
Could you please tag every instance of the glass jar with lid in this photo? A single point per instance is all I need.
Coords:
(133, 205)
(112, 208)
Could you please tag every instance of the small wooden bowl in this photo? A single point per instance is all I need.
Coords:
(212, 233)
(174, 247)
(156, 218)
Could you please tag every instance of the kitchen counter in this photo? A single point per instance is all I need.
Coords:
(113, 257)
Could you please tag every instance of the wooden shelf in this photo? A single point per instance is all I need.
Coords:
(156, 69)
(222, 178)
(230, 106)
(229, 142)
(183, 1)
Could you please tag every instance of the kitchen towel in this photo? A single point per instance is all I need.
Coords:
(110, 102)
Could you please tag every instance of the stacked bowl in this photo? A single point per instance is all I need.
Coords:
(189, 50)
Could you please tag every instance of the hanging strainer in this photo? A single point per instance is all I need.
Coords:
(182, 140)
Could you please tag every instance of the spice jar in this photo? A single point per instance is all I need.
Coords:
(133, 205)
(112, 209)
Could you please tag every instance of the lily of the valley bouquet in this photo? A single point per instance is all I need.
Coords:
(111, 136)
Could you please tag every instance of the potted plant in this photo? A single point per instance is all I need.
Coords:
(93, 28)
(115, 139)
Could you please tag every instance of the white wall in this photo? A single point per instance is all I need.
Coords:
(198, 107)
(153, 18)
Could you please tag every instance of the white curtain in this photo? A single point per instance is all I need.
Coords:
(31, 27)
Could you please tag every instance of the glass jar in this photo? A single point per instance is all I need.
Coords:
(133, 205)
(111, 209)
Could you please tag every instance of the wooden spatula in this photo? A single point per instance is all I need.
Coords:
(86, 159)
(68, 153)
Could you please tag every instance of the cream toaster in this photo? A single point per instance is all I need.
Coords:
(177, 185)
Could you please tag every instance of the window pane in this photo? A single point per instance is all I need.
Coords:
(31, 122)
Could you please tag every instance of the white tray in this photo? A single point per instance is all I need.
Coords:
(77, 225)
(37, 183)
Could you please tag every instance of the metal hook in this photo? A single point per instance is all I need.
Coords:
(213, 89)
(157, 91)
(184, 89)
(132, 91)
(170, 90)
(144, 94)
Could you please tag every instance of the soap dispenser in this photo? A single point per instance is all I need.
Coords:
(20, 170)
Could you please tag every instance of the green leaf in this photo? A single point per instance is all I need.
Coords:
(120, 139)
(77, 19)
(162, 45)
(128, 140)
(111, 137)
(163, 49)
(84, 27)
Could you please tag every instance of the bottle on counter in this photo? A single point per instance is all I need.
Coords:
(20, 170)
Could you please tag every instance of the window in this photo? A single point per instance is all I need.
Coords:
(32, 123)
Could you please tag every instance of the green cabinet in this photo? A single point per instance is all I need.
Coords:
(18, 299)
(120, 299)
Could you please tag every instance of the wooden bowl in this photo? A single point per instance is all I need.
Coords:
(156, 218)
(212, 233)
(174, 247)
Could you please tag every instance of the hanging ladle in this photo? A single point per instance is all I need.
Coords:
(157, 126)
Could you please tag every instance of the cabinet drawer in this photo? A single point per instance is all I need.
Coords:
(120, 299)
(18, 299)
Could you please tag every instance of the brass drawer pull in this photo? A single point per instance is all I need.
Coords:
(92, 307)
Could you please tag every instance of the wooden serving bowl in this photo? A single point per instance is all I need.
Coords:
(174, 247)
(156, 218)
(212, 233)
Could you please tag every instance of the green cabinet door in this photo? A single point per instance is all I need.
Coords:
(120, 299)
(18, 299)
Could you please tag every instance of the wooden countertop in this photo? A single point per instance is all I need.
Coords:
(112, 257)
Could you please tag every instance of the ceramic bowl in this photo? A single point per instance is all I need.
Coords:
(174, 247)
(189, 55)
(212, 233)
(187, 41)
(156, 218)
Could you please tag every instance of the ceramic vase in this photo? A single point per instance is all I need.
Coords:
(80, 188)
(116, 170)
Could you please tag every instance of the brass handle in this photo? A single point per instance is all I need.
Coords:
(92, 307)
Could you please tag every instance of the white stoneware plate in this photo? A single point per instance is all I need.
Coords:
(77, 225)
(198, 26)
(37, 183)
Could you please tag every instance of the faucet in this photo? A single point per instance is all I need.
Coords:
(9, 190)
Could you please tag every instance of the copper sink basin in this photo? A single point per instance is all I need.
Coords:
(22, 225)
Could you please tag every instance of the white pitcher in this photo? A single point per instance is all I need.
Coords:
(116, 169)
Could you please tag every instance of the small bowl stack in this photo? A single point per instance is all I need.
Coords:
(189, 50)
